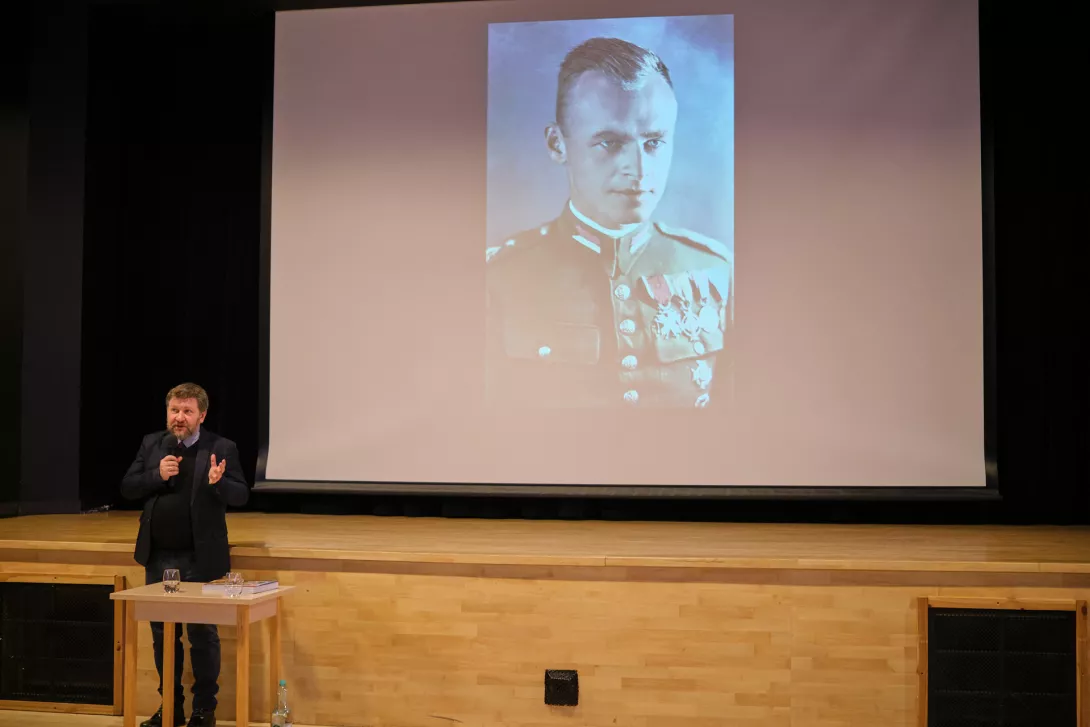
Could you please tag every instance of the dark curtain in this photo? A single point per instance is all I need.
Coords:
(172, 222)
(14, 153)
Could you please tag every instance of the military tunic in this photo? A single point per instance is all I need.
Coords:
(579, 319)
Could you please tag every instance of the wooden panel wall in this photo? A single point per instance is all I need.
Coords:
(425, 649)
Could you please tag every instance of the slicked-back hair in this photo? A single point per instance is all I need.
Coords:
(626, 63)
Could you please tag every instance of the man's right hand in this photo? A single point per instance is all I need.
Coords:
(168, 466)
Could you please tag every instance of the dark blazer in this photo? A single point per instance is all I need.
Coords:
(209, 502)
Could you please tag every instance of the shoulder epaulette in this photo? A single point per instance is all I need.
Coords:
(695, 238)
(521, 241)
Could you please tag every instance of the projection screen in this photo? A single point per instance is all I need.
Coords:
(709, 244)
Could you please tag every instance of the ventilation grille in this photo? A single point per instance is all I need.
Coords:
(1001, 668)
(56, 643)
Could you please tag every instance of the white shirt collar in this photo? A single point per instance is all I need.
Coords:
(627, 229)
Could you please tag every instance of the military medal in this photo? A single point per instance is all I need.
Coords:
(720, 280)
(667, 322)
(709, 318)
(690, 322)
(702, 374)
(709, 315)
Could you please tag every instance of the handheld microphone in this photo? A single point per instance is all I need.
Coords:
(173, 445)
(175, 449)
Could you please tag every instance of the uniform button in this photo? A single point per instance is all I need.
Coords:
(544, 352)
(702, 401)
(699, 348)
(622, 292)
(629, 362)
(632, 396)
(628, 327)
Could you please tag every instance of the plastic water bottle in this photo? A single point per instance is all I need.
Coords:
(281, 716)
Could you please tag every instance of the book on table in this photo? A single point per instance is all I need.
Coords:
(249, 588)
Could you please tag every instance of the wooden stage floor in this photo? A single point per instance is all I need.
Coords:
(415, 621)
(593, 544)
(46, 719)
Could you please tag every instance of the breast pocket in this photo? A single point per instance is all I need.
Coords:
(552, 342)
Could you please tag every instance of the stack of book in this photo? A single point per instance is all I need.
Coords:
(249, 588)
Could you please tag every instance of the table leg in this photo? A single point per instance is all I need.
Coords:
(274, 656)
(242, 676)
(129, 689)
(168, 674)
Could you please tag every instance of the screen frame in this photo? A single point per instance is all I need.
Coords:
(990, 491)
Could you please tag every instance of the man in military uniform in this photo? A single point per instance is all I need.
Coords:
(602, 306)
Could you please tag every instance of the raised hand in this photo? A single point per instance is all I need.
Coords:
(215, 472)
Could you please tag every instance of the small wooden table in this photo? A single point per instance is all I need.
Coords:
(190, 605)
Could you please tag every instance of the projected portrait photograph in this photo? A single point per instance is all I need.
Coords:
(610, 213)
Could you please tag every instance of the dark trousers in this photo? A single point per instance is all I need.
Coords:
(204, 639)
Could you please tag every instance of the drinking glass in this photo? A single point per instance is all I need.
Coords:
(233, 588)
(171, 580)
